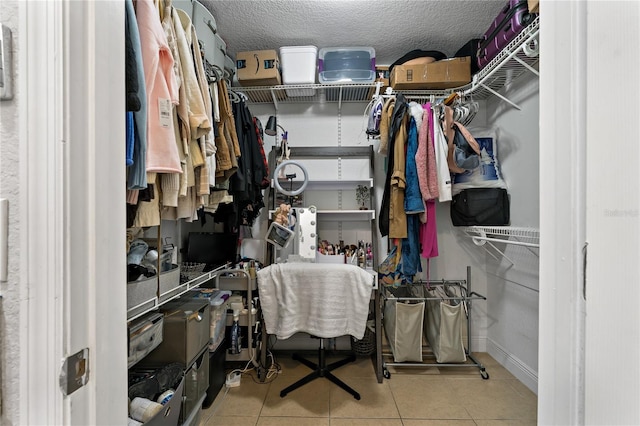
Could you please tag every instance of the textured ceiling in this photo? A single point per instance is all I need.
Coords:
(391, 27)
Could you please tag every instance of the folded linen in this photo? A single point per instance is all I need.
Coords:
(324, 300)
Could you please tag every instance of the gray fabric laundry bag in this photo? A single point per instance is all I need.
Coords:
(403, 327)
(444, 326)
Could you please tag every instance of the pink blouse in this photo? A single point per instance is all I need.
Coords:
(162, 91)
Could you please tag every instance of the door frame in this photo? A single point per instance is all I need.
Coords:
(563, 122)
(52, 281)
(72, 248)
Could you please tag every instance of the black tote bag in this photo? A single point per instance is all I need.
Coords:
(480, 206)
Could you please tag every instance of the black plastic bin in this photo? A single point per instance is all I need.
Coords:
(216, 373)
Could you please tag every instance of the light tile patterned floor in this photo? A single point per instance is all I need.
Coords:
(411, 397)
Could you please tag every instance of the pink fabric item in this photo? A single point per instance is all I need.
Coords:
(132, 196)
(432, 166)
(429, 233)
(426, 157)
(421, 160)
(160, 81)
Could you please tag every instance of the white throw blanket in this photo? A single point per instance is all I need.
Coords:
(324, 300)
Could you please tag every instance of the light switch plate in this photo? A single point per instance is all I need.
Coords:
(6, 64)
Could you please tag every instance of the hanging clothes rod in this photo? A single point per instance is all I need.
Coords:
(476, 296)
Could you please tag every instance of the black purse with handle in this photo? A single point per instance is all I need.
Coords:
(480, 206)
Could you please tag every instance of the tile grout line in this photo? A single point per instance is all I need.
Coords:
(264, 400)
(218, 405)
(394, 401)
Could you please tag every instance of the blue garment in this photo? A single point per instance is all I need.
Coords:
(137, 173)
(412, 197)
(411, 263)
(130, 137)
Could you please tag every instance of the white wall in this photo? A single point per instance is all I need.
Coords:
(512, 290)
(318, 125)
(310, 125)
(506, 324)
(10, 189)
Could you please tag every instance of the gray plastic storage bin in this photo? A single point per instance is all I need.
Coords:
(347, 65)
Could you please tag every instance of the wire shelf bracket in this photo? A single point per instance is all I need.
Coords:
(486, 236)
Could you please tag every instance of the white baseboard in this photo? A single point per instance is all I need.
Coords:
(478, 344)
(523, 372)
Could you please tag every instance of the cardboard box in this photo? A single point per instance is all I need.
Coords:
(382, 76)
(258, 68)
(444, 74)
(533, 6)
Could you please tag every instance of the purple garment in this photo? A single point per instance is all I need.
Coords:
(429, 233)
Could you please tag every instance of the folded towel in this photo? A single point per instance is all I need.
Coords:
(324, 300)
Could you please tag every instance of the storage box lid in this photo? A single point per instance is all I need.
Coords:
(298, 49)
(356, 64)
(183, 309)
(216, 297)
(347, 51)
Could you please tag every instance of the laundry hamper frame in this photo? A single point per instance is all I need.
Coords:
(466, 296)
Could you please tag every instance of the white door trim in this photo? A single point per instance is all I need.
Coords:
(41, 256)
(73, 263)
(562, 212)
(612, 343)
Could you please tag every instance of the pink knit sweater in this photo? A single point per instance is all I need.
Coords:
(426, 158)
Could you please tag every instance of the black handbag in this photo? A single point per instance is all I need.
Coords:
(470, 49)
(480, 206)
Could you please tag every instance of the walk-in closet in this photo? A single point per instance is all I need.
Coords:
(199, 308)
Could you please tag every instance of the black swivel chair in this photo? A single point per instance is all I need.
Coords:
(303, 284)
(321, 369)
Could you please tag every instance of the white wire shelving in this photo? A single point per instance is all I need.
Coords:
(489, 236)
(518, 57)
(155, 302)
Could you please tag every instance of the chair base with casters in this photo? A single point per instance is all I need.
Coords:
(321, 369)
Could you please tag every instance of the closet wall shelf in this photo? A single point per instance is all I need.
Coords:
(343, 215)
(154, 303)
(518, 57)
(486, 236)
(328, 185)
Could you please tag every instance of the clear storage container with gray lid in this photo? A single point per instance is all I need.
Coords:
(347, 65)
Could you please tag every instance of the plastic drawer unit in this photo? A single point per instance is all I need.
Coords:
(186, 332)
(145, 334)
(346, 65)
(218, 313)
(195, 387)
